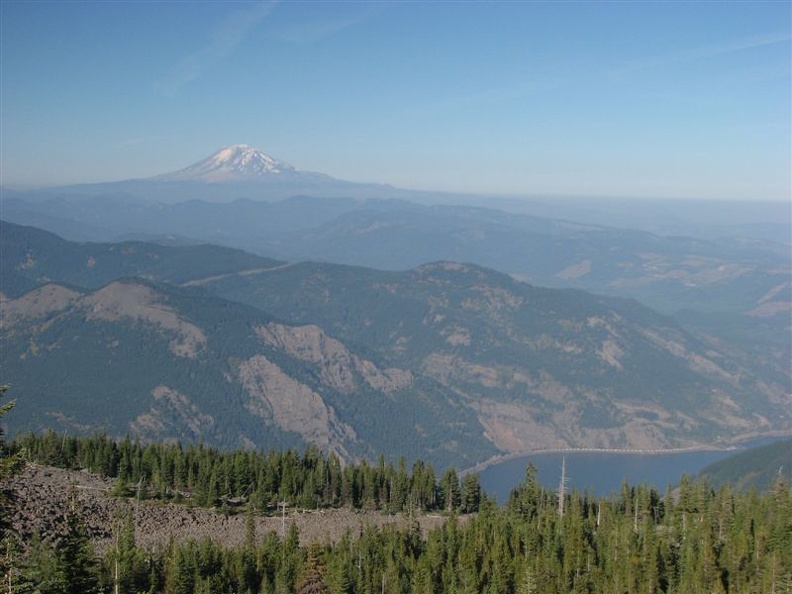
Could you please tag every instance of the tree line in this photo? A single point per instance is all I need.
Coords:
(211, 477)
(690, 539)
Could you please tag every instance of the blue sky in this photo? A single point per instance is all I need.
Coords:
(671, 99)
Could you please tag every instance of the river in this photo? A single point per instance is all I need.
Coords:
(598, 472)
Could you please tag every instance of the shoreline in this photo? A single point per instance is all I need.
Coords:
(733, 446)
(495, 460)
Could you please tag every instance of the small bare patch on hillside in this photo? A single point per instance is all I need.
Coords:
(154, 423)
(513, 428)
(249, 272)
(695, 361)
(28, 262)
(451, 370)
(36, 304)
(457, 335)
(493, 299)
(611, 353)
(139, 302)
(575, 270)
(774, 292)
(339, 367)
(692, 271)
(770, 309)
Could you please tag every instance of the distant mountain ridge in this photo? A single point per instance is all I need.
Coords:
(230, 173)
(667, 273)
(450, 362)
(244, 172)
(729, 289)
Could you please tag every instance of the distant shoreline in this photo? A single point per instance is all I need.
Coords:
(494, 460)
(734, 446)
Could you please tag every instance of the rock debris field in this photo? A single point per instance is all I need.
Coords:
(41, 504)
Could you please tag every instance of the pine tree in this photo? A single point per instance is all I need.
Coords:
(39, 570)
(10, 464)
(249, 576)
(471, 493)
(449, 484)
(180, 573)
(339, 576)
(125, 562)
(528, 582)
(76, 563)
(16, 580)
(312, 580)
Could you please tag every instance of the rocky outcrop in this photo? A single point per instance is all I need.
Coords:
(278, 398)
(338, 367)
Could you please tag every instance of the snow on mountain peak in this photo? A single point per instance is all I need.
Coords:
(238, 162)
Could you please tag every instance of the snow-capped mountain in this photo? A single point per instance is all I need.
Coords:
(233, 172)
(239, 162)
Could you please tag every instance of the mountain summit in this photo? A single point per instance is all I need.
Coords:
(239, 162)
(236, 171)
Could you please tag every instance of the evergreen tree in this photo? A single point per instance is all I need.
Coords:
(528, 582)
(10, 464)
(126, 564)
(76, 563)
(449, 484)
(180, 572)
(16, 579)
(39, 572)
(471, 493)
(312, 580)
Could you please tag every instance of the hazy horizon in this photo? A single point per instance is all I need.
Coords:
(652, 100)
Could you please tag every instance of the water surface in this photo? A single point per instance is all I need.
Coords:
(597, 472)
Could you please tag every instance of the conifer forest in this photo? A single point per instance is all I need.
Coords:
(692, 538)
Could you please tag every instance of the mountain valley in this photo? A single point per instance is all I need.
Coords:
(243, 302)
(449, 362)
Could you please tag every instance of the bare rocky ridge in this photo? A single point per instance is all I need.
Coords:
(36, 304)
(117, 300)
(167, 404)
(310, 343)
(277, 397)
(139, 302)
(42, 503)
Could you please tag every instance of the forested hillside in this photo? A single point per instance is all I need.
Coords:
(30, 257)
(757, 467)
(449, 362)
(161, 362)
(209, 477)
(603, 372)
(729, 272)
(693, 539)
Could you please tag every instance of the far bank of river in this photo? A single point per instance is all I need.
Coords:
(600, 473)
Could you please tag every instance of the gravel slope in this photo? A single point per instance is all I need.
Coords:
(42, 500)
